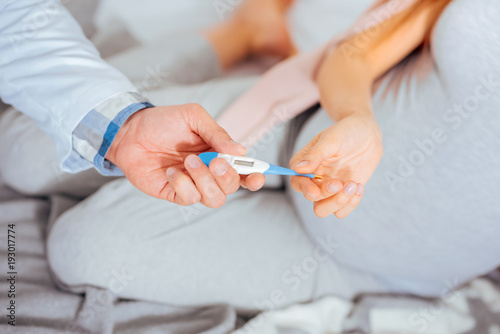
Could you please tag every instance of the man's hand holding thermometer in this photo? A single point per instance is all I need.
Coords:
(156, 150)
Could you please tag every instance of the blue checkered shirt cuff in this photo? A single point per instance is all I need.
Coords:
(94, 134)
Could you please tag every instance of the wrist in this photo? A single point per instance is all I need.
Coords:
(338, 110)
(339, 113)
(120, 138)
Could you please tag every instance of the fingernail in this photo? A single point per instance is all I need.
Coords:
(221, 169)
(302, 164)
(333, 188)
(361, 189)
(350, 188)
(170, 171)
(310, 195)
(193, 161)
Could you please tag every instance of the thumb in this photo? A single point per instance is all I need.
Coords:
(311, 156)
(214, 135)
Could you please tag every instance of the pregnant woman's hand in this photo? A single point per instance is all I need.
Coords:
(346, 155)
(157, 149)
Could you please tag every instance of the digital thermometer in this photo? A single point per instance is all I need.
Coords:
(246, 166)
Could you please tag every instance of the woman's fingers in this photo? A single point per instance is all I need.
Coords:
(316, 191)
(323, 147)
(330, 187)
(307, 187)
(180, 188)
(212, 195)
(333, 204)
(298, 157)
(330, 196)
(352, 204)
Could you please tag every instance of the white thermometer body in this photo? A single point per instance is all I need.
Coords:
(246, 165)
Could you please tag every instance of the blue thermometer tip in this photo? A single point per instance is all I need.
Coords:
(277, 170)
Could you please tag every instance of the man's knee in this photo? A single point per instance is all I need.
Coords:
(29, 164)
(76, 251)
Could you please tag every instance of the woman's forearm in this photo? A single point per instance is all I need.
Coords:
(345, 86)
(345, 80)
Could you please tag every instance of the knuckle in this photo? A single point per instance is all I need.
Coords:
(179, 200)
(215, 202)
(219, 202)
(195, 199)
(213, 196)
(230, 186)
(302, 186)
(234, 188)
(195, 107)
(171, 197)
(343, 200)
(176, 180)
(188, 200)
(315, 156)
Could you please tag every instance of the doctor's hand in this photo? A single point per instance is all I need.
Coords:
(346, 155)
(156, 149)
